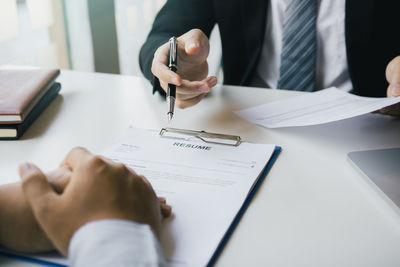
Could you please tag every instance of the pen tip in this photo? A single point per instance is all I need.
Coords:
(170, 116)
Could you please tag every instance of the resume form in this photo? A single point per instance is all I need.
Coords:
(206, 185)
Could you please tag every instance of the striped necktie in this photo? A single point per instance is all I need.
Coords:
(299, 46)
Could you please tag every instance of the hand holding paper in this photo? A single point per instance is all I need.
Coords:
(314, 108)
(393, 78)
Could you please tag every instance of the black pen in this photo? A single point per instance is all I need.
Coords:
(173, 65)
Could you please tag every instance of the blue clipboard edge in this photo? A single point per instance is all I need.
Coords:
(245, 205)
(29, 259)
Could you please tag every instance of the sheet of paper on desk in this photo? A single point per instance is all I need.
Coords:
(314, 108)
(206, 185)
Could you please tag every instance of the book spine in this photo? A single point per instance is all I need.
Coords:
(43, 103)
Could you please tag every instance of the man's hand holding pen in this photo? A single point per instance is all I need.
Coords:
(192, 80)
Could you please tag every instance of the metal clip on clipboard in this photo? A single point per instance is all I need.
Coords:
(211, 138)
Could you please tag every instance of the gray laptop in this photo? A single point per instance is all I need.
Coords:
(382, 167)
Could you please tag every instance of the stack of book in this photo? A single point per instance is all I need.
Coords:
(24, 95)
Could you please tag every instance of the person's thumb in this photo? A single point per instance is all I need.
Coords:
(393, 77)
(393, 90)
(192, 46)
(196, 43)
(37, 190)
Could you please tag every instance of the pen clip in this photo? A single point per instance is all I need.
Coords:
(173, 53)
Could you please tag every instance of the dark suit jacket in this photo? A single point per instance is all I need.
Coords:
(372, 37)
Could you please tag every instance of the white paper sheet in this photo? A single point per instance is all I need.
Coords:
(314, 108)
(206, 185)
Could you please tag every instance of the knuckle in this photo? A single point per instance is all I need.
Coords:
(164, 85)
(77, 149)
(30, 178)
(394, 64)
(181, 104)
(159, 52)
(153, 68)
(131, 171)
(142, 182)
(156, 52)
(120, 168)
(96, 161)
(198, 32)
(43, 206)
(179, 98)
(204, 68)
(138, 179)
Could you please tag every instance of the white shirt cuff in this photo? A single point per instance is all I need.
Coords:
(115, 243)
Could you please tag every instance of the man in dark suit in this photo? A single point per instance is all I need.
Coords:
(361, 57)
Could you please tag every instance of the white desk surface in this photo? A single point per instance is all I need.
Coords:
(314, 208)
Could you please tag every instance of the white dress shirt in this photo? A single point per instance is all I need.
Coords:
(116, 243)
(332, 69)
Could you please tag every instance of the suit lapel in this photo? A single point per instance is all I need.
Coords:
(358, 33)
(253, 16)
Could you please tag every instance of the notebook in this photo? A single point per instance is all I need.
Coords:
(16, 130)
(21, 88)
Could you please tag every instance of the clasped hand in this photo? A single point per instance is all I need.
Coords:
(44, 211)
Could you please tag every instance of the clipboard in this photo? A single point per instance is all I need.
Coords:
(229, 140)
(211, 138)
(26, 258)
(244, 206)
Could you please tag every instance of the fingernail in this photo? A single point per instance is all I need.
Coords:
(192, 45)
(175, 80)
(213, 82)
(26, 168)
(204, 88)
(395, 88)
(168, 208)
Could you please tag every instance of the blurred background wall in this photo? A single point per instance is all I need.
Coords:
(85, 35)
